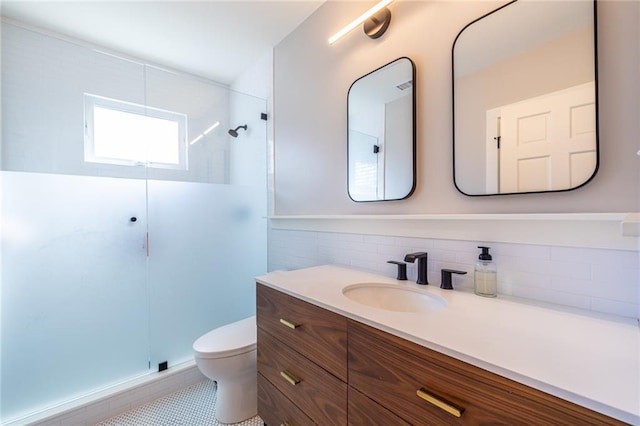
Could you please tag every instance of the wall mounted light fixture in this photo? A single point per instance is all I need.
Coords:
(376, 21)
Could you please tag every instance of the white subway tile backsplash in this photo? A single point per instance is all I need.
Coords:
(505, 288)
(552, 296)
(443, 256)
(391, 251)
(334, 243)
(569, 270)
(529, 279)
(363, 247)
(323, 235)
(615, 307)
(457, 246)
(621, 291)
(611, 258)
(365, 264)
(614, 276)
(597, 279)
(413, 242)
(466, 257)
(532, 252)
(351, 237)
(572, 285)
(379, 240)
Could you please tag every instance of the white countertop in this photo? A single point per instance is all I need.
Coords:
(590, 359)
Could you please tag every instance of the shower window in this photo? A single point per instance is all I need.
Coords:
(129, 134)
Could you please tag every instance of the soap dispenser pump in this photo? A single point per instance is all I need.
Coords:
(485, 280)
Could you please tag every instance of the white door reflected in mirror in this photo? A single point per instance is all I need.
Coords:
(525, 99)
(546, 143)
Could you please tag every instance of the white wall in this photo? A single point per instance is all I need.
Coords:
(310, 88)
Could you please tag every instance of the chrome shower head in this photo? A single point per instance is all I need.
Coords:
(234, 132)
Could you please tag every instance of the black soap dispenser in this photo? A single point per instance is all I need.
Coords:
(485, 278)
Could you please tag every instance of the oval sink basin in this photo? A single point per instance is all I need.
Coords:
(394, 297)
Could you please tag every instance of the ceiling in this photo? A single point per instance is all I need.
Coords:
(214, 39)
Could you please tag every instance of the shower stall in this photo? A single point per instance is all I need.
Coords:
(131, 222)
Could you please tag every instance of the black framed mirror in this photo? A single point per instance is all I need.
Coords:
(525, 110)
(381, 140)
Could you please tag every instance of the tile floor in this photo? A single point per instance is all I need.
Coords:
(193, 406)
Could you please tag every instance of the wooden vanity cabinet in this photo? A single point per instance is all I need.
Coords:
(391, 381)
(423, 386)
(275, 408)
(302, 361)
(366, 412)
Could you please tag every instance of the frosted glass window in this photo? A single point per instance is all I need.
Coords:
(123, 133)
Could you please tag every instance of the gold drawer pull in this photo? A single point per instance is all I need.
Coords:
(455, 411)
(291, 325)
(290, 377)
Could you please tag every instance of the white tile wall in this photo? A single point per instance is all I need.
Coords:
(594, 279)
(110, 404)
(44, 77)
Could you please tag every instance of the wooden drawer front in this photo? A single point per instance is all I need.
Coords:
(318, 394)
(363, 411)
(391, 370)
(275, 409)
(320, 335)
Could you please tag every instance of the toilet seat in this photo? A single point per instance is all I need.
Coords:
(229, 340)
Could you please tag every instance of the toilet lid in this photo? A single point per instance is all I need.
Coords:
(231, 339)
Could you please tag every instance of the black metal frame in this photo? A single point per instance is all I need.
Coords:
(413, 100)
(453, 118)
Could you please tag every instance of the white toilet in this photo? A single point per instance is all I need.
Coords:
(228, 355)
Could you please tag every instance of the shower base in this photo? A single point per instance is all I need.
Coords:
(115, 400)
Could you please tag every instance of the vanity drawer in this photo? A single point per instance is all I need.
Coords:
(391, 371)
(275, 409)
(364, 411)
(320, 395)
(317, 333)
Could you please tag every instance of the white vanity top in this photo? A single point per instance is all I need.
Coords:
(590, 359)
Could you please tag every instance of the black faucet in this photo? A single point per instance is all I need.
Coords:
(422, 265)
(402, 269)
(446, 278)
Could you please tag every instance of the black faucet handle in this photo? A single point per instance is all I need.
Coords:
(445, 282)
(402, 269)
(411, 257)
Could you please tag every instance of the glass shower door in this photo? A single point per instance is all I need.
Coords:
(74, 305)
(74, 296)
(207, 225)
